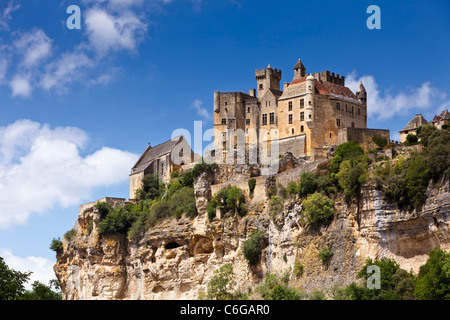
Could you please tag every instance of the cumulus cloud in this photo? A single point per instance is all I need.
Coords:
(42, 167)
(41, 268)
(108, 31)
(383, 105)
(198, 105)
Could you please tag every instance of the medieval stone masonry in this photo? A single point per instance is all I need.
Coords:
(302, 117)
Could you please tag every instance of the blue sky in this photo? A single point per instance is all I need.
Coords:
(79, 106)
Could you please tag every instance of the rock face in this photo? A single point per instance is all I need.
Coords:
(176, 259)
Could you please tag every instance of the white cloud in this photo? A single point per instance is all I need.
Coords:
(383, 105)
(108, 31)
(197, 105)
(34, 46)
(41, 167)
(21, 86)
(68, 68)
(41, 268)
(5, 14)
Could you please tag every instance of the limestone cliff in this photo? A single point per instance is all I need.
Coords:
(176, 258)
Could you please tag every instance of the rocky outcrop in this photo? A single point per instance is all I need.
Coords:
(176, 258)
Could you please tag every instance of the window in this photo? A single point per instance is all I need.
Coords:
(224, 121)
(293, 130)
(346, 107)
(290, 106)
(353, 124)
(226, 110)
(309, 103)
(330, 134)
(180, 154)
(290, 119)
(248, 109)
(310, 116)
(338, 122)
(358, 111)
(338, 106)
(352, 110)
(261, 86)
(302, 116)
(226, 103)
(247, 121)
(302, 103)
(264, 119)
(272, 118)
(302, 129)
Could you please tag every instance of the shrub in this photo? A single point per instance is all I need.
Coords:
(152, 187)
(188, 179)
(229, 199)
(251, 185)
(90, 227)
(201, 167)
(345, 151)
(115, 221)
(438, 153)
(317, 209)
(325, 254)
(298, 269)
(69, 235)
(211, 209)
(351, 175)
(252, 247)
(293, 188)
(380, 142)
(222, 283)
(150, 212)
(271, 289)
(275, 206)
(308, 183)
(56, 245)
(102, 208)
(174, 174)
(412, 138)
(424, 132)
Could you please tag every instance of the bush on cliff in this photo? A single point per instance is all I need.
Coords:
(228, 200)
(253, 247)
(317, 209)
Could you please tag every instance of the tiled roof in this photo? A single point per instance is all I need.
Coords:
(322, 87)
(415, 122)
(150, 154)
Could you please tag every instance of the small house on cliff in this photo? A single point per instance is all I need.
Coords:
(161, 160)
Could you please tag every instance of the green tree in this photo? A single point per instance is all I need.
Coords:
(253, 247)
(221, 285)
(308, 183)
(433, 280)
(351, 176)
(317, 209)
(411, 138)
(395, 283)
(56, 245)
(345, 151)
(438, 153)
(152, 187)
(424, 132)
(12, 282)
(41, 291)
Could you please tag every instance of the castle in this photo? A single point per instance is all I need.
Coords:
(302, 118)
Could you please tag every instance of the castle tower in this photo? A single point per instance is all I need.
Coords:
(361, 93)
(299, 70)
(309, 100)
(267, 78)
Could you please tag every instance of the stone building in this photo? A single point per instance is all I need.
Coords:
(162, 160)
(442, 119)
(302, 117)
(411, 127)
